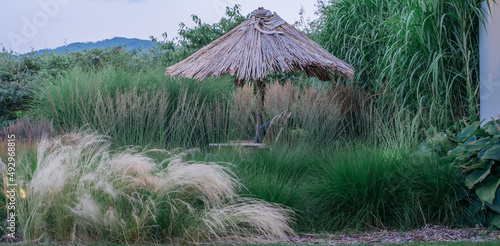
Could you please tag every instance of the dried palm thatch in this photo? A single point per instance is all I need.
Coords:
(262, 44)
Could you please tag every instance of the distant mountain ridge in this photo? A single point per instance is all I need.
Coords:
(127, 43)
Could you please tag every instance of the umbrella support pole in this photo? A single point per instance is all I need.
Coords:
(261, 92)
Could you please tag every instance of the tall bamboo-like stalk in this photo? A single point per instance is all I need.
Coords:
(423, 53)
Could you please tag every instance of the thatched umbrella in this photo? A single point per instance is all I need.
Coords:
(260, 45)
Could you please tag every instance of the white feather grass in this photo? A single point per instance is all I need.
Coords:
(245, 220)
(82, 192)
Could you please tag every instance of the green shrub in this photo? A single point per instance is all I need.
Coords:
(475, 150)
(17, 76)
(15, 94)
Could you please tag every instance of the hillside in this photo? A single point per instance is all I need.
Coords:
(127, 43)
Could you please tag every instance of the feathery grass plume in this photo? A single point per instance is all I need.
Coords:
(87, 209)
(133, 168)
(58, 159)
(278, 98)
(217, 121)
(82, 192)
(247, 220)
(316, 112)
(243, 104)
(210, 183)
(58, 192)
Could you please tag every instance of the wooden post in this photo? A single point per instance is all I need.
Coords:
(261, 92)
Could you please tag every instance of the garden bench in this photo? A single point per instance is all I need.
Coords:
(272, 135)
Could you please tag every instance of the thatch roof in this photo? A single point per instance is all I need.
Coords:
(262, 44)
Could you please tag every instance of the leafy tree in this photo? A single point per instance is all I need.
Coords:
(192, 39)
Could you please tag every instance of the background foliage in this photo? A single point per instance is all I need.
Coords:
(189, 40)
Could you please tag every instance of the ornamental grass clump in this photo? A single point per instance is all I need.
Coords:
(83, 192)
(385, 187)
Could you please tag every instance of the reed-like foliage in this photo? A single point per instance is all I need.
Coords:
(132, 108)
(80, 192)
(150, 109)
(422, 53)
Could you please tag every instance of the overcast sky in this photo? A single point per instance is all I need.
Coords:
(40, 24)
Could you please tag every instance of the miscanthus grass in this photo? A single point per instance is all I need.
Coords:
(421, 53)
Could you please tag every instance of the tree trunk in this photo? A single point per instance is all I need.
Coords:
(261, 91)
